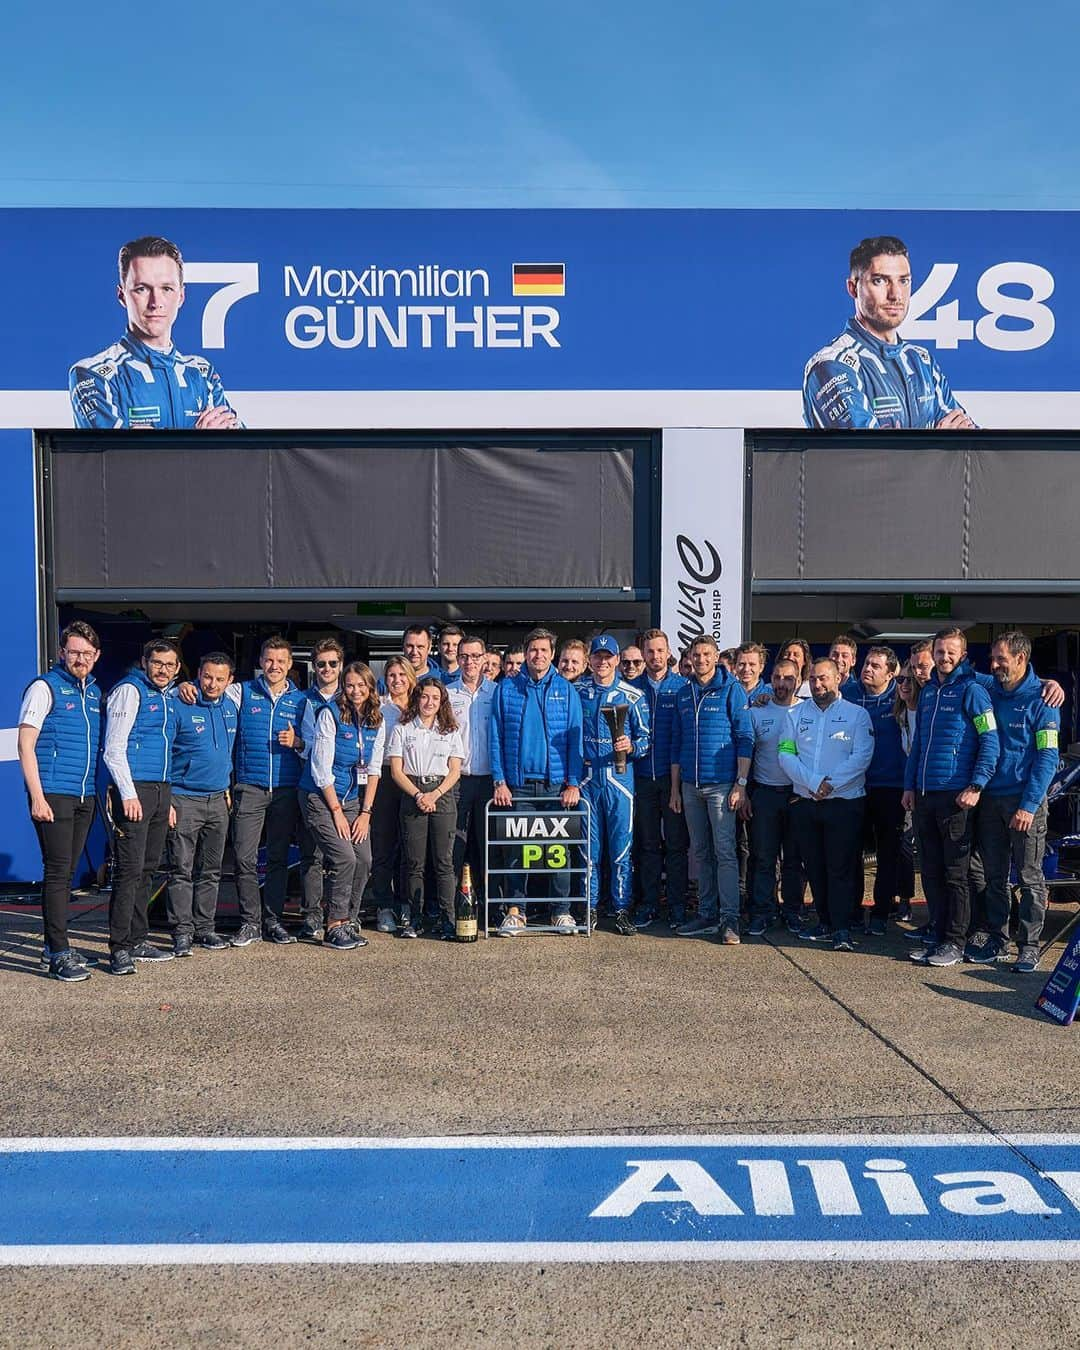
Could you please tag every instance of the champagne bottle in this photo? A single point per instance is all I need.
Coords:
(465, 913)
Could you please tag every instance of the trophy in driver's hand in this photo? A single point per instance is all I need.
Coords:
(615, 716)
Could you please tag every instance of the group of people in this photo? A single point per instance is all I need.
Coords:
(714, 777)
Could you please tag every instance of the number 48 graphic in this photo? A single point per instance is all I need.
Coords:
(947, 330)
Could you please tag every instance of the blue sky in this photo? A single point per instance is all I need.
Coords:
(591, 103)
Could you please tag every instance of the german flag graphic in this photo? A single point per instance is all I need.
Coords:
(539, 278)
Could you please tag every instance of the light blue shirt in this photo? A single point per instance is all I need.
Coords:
(836, 743)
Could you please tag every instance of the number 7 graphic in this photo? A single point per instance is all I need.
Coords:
(235, 279)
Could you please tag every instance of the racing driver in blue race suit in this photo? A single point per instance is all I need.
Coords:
(869, 376)
(142, 380)
(611, 794)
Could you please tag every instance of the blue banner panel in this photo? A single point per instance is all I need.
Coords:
(544, 300)
(507, 1199)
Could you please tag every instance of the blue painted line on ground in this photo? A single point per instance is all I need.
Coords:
(646, 1198)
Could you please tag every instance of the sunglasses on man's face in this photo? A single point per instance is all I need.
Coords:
(327, 665)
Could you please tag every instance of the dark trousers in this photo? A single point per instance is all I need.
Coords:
(348, 864)
(386, 879)
(196, 847)
(388, 882)
(661, 844)
(905, 870)
(829, 835)
(773, 839)
(419, 831)
(276, 811)
(313, 879)
(884, 831)
(62, 841)
(137, 849)
(470, 839)
(1000, 846)
(945, 838)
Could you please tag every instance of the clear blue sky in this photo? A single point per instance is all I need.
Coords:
(589, 103)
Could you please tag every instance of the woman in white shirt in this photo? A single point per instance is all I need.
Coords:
(426, 752)
(387, 882)
(345, 761)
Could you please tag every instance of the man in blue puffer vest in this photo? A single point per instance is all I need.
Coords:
(953, 756)
(712, 742)
(536, 748)
(199, 813)
(662, 843)
(59, 737)
(139, 730)
(1011, 823)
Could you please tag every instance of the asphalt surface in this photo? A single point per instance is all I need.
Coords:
(653, 1034)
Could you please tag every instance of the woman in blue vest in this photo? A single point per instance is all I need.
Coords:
(345, 762)
(59, 736)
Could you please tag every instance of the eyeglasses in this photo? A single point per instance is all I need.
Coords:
(631, 661)
(326, 665)
(163, 665)
(905, 679)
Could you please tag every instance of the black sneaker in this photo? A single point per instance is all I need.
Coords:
(120, 963)
(146, 951)
(248, 933)
(275, 931)
(644, 920)
(948, 954)
(340, 938)
(406, 930)
(841, 941)
(816, 933)
(623, 924)
(68, 966)
(213, 942)
(793, 923)
(758, 928)
(309, 932)
(903, 911)
(443, 930)
(181, 945)
(1027, 959)
(878, 927)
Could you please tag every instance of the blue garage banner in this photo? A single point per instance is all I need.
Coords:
(352, 301)
(651, 1198)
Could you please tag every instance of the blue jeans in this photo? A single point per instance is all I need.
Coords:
(712, 837)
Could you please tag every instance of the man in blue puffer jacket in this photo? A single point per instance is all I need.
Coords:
(1011, 823)
(536, 747)
(712, 742)
(199, 813)
(884, 781)
(953, 756)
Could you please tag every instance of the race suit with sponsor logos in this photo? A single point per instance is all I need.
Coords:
(860, 381)
(132, 385)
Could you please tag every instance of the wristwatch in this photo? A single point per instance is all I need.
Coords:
(741, 782)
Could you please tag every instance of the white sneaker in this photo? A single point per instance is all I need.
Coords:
(512, 925)
(385, 922)
(564, 923)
